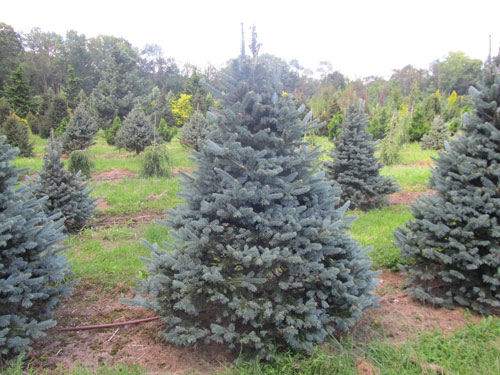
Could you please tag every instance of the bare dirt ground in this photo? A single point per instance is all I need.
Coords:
(177, 171)
(421, 163)
(408, 197)
(114, 175)
(401, 318)
(132, 220)
(396, 320)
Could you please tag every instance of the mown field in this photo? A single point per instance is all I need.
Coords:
(402, 337)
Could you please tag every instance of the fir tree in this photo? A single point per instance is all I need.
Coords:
(18, 93)
(32, 271)
(194, 131)
(156, 163)
(454, 240)
(136, 132)
(437, 136)
(73, 87)
(79, 161)
(354, 166)
(56, 112)
(67, 193)
(390, 150)
(18, 135)
(166, 132)
(418, 125)
(110, 133)
(80, 132)
(4, 109)
(62, 128)
(261, 257)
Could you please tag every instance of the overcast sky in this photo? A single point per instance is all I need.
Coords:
(359, 37)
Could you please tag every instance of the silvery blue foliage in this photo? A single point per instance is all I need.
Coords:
(261, 255)
(454, 240)
(32, 270)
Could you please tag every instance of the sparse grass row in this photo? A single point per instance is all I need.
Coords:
(474, 350)
(471, 351)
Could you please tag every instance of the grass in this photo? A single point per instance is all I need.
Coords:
(374, 228)
(410, 178)
(411, 153)
(133, 195)
(472, 351)
(109, 257)
(18, 368)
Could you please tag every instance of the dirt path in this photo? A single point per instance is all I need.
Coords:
(132, 220)
(115, 174)
(408, 197)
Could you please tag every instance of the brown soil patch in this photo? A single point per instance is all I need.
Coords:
(131, 220)
(401, 318)
(102, 204)
(364, 368)
(114, 174)
(177, 171)
(153, 197)
(132, 344)
(408, 197)
(421, 163)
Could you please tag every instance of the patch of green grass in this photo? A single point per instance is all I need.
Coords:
(108, 257)
(18, 368)
(472, 351)
(328, 360)
(375, 228)
(128, 162)
(412, 153)
(133, 195)
(33, 163)
(39, 144)
(414, 178)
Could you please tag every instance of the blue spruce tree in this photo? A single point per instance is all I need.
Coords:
(262, 257)
(354, 165)
(454, 240)
(32, 270)
(67, 192)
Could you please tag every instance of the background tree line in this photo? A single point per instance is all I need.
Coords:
(44, 76)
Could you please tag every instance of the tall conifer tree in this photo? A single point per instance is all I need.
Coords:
(261, 257)
(454, 240)
(354, 165)
(32, 270)
(18, 93)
